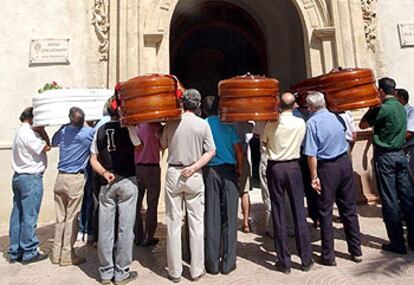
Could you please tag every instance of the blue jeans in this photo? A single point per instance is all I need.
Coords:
(397, 195)
(27, 197)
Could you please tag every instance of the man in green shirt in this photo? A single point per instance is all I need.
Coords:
(397, 193)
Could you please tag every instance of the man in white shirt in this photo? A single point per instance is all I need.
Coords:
(29, 161)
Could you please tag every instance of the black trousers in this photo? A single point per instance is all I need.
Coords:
(149, 182)
(311, 195)
(338, 184)
(281, 177)
(397, 195)
(221, 203)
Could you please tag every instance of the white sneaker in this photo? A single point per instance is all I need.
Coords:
(80, 236)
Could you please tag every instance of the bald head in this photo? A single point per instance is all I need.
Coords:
(287, 101)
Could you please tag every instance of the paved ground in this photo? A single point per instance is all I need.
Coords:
(255, 262)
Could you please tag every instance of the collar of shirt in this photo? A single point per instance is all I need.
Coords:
(319, 112)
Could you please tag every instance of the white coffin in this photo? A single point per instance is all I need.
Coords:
(52, 107)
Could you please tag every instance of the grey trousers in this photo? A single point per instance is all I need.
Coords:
(222, 200)
(265, 193)
(120, 196)
(189, 193)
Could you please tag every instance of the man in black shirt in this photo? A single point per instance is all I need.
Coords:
(112, 157)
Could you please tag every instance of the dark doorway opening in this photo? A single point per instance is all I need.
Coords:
(213, 41)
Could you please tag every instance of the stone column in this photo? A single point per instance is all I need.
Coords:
(351, 46)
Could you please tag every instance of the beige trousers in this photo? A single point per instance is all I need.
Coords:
(183, 192)
(68, 191)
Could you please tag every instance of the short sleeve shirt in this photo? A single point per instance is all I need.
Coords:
(27, 152)
(325, 136)
(150, 154)
(410, 122)
(74, 147)
(390, 124)
(115, 151)
(187, 139)
(283, 138)
(225, 137)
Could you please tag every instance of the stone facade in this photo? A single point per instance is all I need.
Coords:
(112, 40)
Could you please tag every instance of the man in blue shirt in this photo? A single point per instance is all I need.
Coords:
(221, 193)
(332, 177)
(74, 141)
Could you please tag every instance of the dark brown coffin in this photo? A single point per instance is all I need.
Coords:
(149, 98)
(248, 97)
(345, 89)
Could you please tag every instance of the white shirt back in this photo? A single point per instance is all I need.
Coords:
(27, 155)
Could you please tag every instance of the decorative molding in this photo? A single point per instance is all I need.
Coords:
(369, 15)
(153, 39)
(100, 21)
(324, 33)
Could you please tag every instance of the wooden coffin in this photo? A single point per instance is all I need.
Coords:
(345, 89)
(248, 97)
(149, 98)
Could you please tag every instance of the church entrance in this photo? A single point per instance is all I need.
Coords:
(215, 40)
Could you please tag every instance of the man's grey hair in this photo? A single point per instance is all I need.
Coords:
(316, 100)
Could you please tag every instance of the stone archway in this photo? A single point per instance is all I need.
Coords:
(214, 40)
(332, 31)
(313, 16)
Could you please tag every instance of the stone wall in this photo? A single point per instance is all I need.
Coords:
(392, 59)
(21, 22)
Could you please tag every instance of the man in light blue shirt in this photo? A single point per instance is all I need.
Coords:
(221, 193)
(74, 141)
(403, 96)
(332, 177)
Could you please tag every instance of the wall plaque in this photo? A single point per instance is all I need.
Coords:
(49, 51)
(406, 31)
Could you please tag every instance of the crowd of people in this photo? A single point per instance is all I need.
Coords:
(305, 154)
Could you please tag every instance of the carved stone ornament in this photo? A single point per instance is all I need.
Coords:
(101, 25)
(370, 22)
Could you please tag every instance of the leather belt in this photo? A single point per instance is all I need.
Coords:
(79, 172)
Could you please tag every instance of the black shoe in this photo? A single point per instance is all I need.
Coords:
(306, 268)
(174, 279)
(150, 242)
(281, 268)
(226, 272)
(10, 260)
(132, 276)
(137, 243)
(212, 272)
(392, 248)
(327, 262)
(38, 257)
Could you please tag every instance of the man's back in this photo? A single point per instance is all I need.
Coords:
(28, 155)
(115, 149)
(390, 124)
(325, 136)
(187, 139)
(74, 147)
(225, 137)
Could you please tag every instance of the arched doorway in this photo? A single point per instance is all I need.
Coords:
(214, 40)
